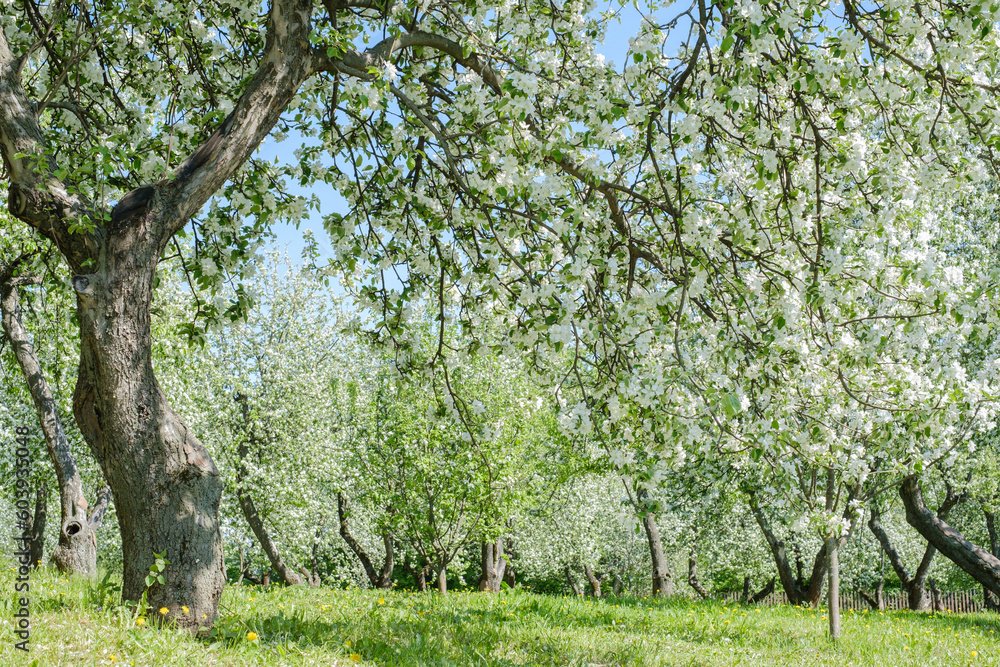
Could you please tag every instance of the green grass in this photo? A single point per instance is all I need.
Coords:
(334, 627)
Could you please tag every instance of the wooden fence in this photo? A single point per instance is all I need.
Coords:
(960, 601)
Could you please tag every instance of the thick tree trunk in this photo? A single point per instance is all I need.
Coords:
(166, 486)
(492, 566)
(978, 563)
(76, 552)
(663, 582)
(36, 533)
(833, 586)
(382, 578)
(443, 580)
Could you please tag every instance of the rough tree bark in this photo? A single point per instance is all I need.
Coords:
(915, 585)
(76, 552)
(492, 566)
(978, 563)
(382, 578)
(249, 509)
(36, 528)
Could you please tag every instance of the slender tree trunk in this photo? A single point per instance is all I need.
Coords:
(382, 578)
(422, 579)
(572, 582)
(616, 585)
(36, 545)
(989, 599)
(443, 580)
(249, 509)
(978, 563)
(833, 586)
(693, 576)
(76, 552)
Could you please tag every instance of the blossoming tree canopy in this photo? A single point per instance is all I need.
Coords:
(797, 196)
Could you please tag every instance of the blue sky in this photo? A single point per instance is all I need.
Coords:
(614, 49)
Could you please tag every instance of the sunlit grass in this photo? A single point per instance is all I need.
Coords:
(304, 626)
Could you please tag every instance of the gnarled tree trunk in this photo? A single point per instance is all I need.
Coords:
(693, 576)
(978, 563)
(166, 486)
(594, 581)
(76, 552)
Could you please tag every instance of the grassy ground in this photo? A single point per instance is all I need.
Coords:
(71, 626)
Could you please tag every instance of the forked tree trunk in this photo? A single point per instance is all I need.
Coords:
(797, 591)
(492, 566)
(977, 562)
(382, 578)
(76, 552)
(917, 596)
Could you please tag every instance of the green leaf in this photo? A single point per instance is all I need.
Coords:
(731, 404)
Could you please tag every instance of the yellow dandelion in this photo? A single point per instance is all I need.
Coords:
(355, 657)
(185, 609)
(381, 600)
(974, 654)
(113, 658)
(164, 611)
(140, 621)
(252, 636)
